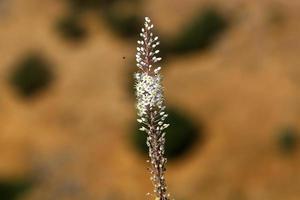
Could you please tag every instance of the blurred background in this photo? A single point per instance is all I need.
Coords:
(67, 118)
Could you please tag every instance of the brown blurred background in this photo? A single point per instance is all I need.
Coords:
(67, 116)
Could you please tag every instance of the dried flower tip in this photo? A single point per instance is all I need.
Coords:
(143, 129)
(157, 70)
(166, 125)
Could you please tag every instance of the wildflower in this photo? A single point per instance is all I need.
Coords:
(150, 106)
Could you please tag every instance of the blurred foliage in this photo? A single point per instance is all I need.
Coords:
(31, 75)
(13, 189)
(181, 135)
(287, 140)
(123, 18)
(112, 11)
(70, 28)
(200, 33)
(275, 16)
(77, 5)
(125, 25)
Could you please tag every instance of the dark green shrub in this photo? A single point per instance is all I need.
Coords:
(275, 16)
(70, 28)
(84, 5)
(125, 25)
(13, 189)
(287, 140)
(31, 75)
(181, 135)
(77, 5)
(200, 33)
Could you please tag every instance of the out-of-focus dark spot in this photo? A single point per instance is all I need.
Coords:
(32, 74)
(70, 28)
(13, 189)
(288, 140)
(200, 33)
(181, 135)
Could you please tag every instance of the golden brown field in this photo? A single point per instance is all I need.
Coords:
(74, 137)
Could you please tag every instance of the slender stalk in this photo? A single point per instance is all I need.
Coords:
(150, 106)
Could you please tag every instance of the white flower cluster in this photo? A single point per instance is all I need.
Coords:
(149, 92)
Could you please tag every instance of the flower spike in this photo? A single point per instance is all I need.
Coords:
(150, 106)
